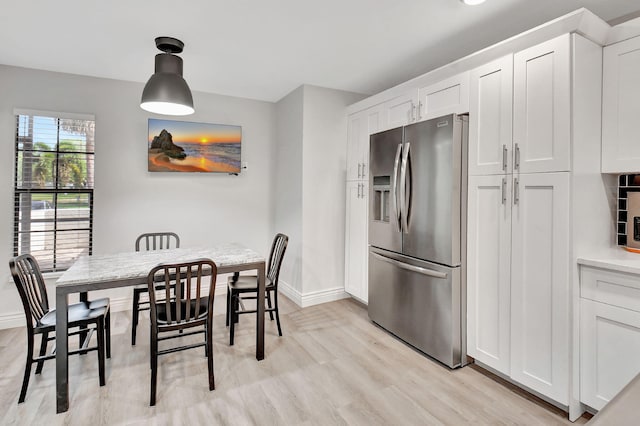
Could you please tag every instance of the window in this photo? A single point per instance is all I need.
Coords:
(53, 187)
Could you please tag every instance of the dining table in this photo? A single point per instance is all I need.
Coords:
(125, 269)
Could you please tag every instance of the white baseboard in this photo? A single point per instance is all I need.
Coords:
(311, 298)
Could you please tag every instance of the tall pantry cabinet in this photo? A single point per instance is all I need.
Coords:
(520, 240)
(360, 126)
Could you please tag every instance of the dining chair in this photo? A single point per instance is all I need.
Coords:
(147, 242)
(188, 309)
(42, 320)
(238, 285)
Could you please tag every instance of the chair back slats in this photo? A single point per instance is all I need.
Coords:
(31, 286)
(167, 293)
(278, 248)
(157, 241)
(187, 305)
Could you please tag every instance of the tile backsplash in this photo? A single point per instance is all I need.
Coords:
(626, 185)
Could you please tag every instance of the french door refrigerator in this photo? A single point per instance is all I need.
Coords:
(417, 226)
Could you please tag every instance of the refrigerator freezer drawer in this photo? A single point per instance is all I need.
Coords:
(418, 301)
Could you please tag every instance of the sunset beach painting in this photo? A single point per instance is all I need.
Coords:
(181, 146)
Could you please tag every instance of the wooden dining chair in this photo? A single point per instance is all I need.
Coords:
(240, 285)
(187, 310)
(147, 242)
(42, 320)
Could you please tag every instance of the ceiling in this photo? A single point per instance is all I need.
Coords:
(264, 49)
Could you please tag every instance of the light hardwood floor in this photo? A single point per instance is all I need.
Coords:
(332, 366)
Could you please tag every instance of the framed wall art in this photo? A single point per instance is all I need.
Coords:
(181, 146)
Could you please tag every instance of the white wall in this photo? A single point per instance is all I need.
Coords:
(287, 189)
(309, 191)
(323, 187)
(201, 208)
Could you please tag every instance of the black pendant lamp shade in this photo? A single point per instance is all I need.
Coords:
(166, 92)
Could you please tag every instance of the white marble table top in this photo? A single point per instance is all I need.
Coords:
(132, 265)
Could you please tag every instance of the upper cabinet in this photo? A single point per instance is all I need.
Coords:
(519, 112)
(400, 110)
(361, 125)
(445, 97)
(449, 96)
(490, 112)
(621, 107)
(542, 107)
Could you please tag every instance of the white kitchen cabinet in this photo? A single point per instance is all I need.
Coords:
(449, 96)
(621, 107)
(554, 117)
(488, 271)
(609, 333)
(400, 111)
(542, 107)
(490, 118)
(356, 265)
(540, 285)
(360, 126)
(610, 344)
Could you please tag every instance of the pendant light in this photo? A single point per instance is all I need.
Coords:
(472, 2)
(166, 92)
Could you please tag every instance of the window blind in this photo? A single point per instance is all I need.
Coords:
(53, 191)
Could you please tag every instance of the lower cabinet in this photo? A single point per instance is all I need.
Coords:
(488, 271)
(356, 256)
(609, 334)
(518, 278)
(540, 277)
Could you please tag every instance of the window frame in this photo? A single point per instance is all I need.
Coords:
(55, 191)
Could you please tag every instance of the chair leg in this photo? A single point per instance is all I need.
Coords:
(135, 315)
(43, 351)
(27, 368)
(275, 296)
(107, 332)
(269, 304)
(209, 346)
(83, 297)
(154, 367)
(232, 318)
(228, 306)
(101, 351)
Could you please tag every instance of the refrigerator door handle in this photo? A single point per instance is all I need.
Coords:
(394, 190)
(404, 200)
(411, 268)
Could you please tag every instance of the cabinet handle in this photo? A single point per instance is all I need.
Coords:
(359, 190)
(413, 112)
(516, 161)
(504, 190)
(363, 169)
(359, 170)
(420, 110)
(504, 157)
(516, 191)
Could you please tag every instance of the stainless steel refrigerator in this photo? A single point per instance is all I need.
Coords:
(417, 227)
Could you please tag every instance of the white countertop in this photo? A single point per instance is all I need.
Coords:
(122, 266)
(617, 259)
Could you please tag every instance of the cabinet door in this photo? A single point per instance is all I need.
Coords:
(356, 128)
(450, 96)
(356, 265)
(490, 112)
(609, 348)
(540, 283)
(400, 110)
(542, 107)
(488, 270)
(621, 107)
